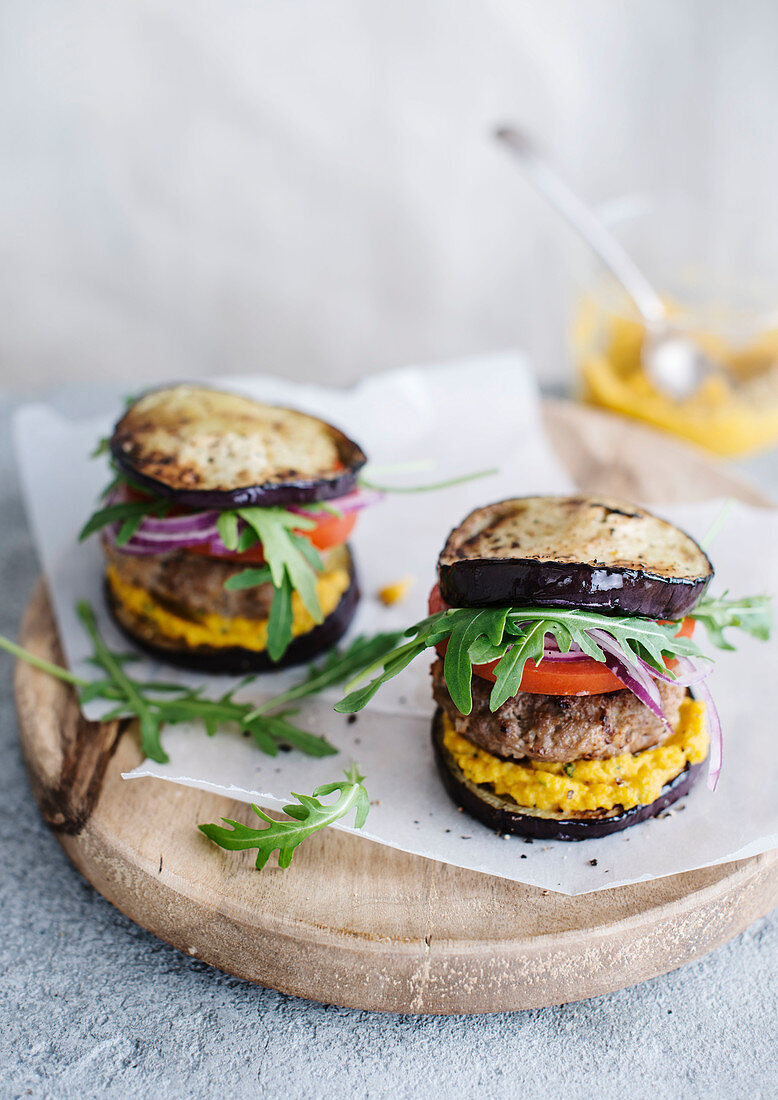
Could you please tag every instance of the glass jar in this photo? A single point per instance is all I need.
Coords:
(733, 315)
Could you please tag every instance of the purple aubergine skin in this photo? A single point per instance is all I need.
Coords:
(300, 491)
(516, 582)
(505, 820)
(235, 660)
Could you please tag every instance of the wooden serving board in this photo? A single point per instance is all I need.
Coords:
(354, 923)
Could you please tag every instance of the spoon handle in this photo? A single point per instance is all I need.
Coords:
(580, 216)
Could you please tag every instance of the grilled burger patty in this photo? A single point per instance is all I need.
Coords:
(560, 728)
(191, 584)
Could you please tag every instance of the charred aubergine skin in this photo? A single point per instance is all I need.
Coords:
(582, 552)
(203, 449)
(504, 816)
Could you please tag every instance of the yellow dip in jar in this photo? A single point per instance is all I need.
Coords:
(733, 413)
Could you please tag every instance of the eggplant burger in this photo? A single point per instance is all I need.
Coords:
(225, 529)
(570, 690)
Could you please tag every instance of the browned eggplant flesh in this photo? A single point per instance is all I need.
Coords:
(580, 551)
(206, 449)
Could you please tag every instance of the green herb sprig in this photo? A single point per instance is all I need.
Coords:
(513, 636)
(430, 487)
(306, 816)
(130, 514)
(159, 703)
(156, 703)
(752, 614)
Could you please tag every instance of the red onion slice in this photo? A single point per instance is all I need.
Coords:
(714, 728)
(347, 505)
(140, 547)
(652, 700)
(687, 675)
(636, 679)
(181, 539)
(174, 525)
(691, 676)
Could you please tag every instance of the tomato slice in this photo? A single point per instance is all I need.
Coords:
(331, 530)
(575, 677)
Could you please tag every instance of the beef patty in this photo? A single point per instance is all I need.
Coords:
(192, 585)
(560, 728)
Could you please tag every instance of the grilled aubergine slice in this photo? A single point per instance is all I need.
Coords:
(573, 552)
(206, 449)
(502, 814)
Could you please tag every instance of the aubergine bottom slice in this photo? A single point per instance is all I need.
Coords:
(236, 660)
(505, 816)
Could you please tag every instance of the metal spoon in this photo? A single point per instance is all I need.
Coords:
(672, 360)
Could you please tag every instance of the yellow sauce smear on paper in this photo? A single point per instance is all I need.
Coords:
(632, 779)
(218, 631)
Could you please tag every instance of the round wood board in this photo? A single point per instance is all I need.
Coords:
(354, 923)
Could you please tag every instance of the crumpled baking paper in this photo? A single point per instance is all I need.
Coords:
(463, 416)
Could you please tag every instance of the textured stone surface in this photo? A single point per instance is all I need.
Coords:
(92, 1005)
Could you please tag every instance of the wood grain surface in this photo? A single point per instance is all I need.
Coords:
(352, 922)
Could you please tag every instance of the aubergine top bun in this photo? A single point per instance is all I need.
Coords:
(208, 449)
(573, 551)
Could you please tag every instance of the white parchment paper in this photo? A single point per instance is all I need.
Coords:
(466, 415)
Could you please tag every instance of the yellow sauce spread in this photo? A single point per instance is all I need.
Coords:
(217, 631)
(734, 412)
(395, 592)
(632, 779)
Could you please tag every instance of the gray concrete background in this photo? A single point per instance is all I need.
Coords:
(93, 1006)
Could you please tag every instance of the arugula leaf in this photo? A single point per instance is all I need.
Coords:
(134, 511)
(248, 538)
(279, 624)
(150, 721)
(752, 614)
(466, 630)
(283, 552)
(308, 551)
(35, 661)
(129, 513)
(227, 526)
(309, 815)
(510, 668)
(393, 663)
(287, 734)
(102, 447)
(512, 636)
(338, 665)
(323, 506)
(248, 578)
(128, 528)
